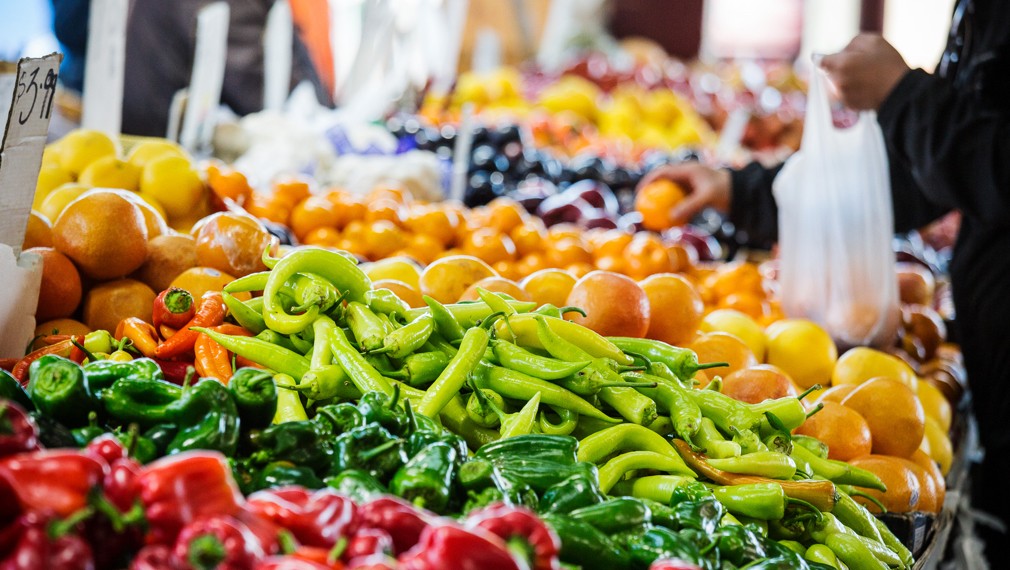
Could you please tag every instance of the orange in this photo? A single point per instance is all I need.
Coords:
(656, 200)
(843, 429)
(227, 183)
(903, 488)
(736, 277)
(745, 302)
(107, 304)
(60, 291)
(803, 349)
(405, 292)
(933, 470)
(437, 223)
(323, 237)
(530, 264)
(836, 393)
(496, 285)
(612, 263)
(610, 243)
(390, 191)
(489, 245)
(39, 232)
(935, 404)
(167, 256)
(385, 209)
(232, 243)
(681, 257)
(447, 278)
(269, 208)
(723, 347)
(566, 230)
(104, 233)
(894, 414)
(424, 248)
(291, 190)
(646, 255)
(506, 269)
(677, 307)
(929, 493)
(528, 237)
(400, 269)
(62, 326)
(568, 251)
(614, 304)
(756, 384)
(382, 238)
(505, 214)
(199, 280)
(549, 286)
(313, 213)
(154, 219)
(861, 363)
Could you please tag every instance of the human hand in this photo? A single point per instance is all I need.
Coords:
(705, 187)
(865, 72)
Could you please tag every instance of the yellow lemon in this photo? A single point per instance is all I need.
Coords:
(803, 349)
(860, 364)
(174, 183)
(51, 176)
(396, 268)
(935, 404)
(51, 155)
(57, 200)
(82, 147)
(111, 172)
(940, 448)
(739, 325)
(149, 150)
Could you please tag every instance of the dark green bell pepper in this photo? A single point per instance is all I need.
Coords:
(139, 447)
(52, 434)
(370, 448)
(10, 389)
(161, 435)
(578, 491)
(207, 418)
(657, 543)
(739, 545)
(384, 410)
(584, 545)
(539, 474)
(694, 506)
(356, 484)
(426, 480)
(255, 394)
(284, 473)
(339, 418)
(102, 374)
(141, 401)
(303, 443)
(59, 390)
(559, 449)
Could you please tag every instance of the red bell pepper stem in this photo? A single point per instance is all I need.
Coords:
(538, 542)
(18, 432)
(220, 542)
(62, 348)
(58, 481)
(179, 489)
(453, 546)
(173, 307)
(210, 313)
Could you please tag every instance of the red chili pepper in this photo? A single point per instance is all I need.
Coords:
(52, 480)
(674, 564)
(173, 307)
(289, 563)
(221, 543)
(538, 541)
(154, 557)
(37, 549)
(368, 542)
(8, 364)
(18, 432)
(451, 546)
(318, 518)
(210, 313)
(63, 348)
(141, 333)
(404, 522)
(179, 489)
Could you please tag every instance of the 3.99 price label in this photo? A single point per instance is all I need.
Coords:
(35, 90)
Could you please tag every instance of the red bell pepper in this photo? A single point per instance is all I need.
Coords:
(36, 549)
(56, 481)
(404, 522)
(368, 542)
(154, 557)
(175, 371)
(121, 485)
(522, 531)
(18, 432)
(106, 447)
(179, 489)
(373, 562)
(672, 564)
(452, 546)
(217, 543)
(289, 563)
(210, 313)
(173, 307)
(315, 518)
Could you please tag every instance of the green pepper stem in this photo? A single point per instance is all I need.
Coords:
(639, 356)
(708, 365)
(91, 357)
(571, 309)
(808, 391)
(816, 409)
(177, 300)
(59, 528)
(868, 497)
(380, 449)
(812, 509)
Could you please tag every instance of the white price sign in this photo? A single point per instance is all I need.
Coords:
(23, 142)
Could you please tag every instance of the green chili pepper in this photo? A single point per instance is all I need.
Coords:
(511, 356)
(662, 425)
(247, 283)
(891, 541)
(420, 369)
(340, 271)
(765, 501)
(207, 418)
(519, 386)
(838, 472)
(851, 551)
(683, 362)
(554, 448)
(548, 310)
(408, 338)
(577, 491)
(357, 485)
(328, 382)
(449, 382)
(615, 515)
(289, 404)
(829, 526)
(483, 406)
(445, 323)
(10, 389)
(243, 315)
(789, 411)
(568, 421)
(724, 411)
(454, 418)
(58, 389)
(684, 413)
(272, 356)
(274, 337)
(821, 554)
(583, 545)
(761, 463)
(663, 371)
(467, 314)
(367, 328)
(616, 468)
(657, 488)
(748, 441)
(362, 374)
(522, 329)
(715, 446)
(140, 401)
(623, 437)
(386, 302)
(793, 545)
(255, 396)
(427, 478)
(812, 444)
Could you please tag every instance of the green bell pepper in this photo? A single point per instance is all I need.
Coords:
(58, 389)
(356, 484)
(284, 473)
(141, 401)
(426, 480)
(578, 491)
(11, 389)
(616, 515)
(255, 394)
(207, 418)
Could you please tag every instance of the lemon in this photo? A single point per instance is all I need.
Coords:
(935, 404)
(940, 448)
(53, 204)
(739, 325)
(395, 268)
(862, 363)
(803, 349)
(51, 155)
(174, 183)
(50, 177)
(149, 150)
(111, 172)
(82, 147)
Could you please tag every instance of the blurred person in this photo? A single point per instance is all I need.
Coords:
(948, 144)
(160, 45)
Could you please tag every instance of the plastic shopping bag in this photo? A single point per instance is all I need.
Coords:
(836, 225)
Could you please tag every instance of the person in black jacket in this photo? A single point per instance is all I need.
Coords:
(948, 142)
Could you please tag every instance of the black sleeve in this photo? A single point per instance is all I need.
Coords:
(753, 211)
(955, 150)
